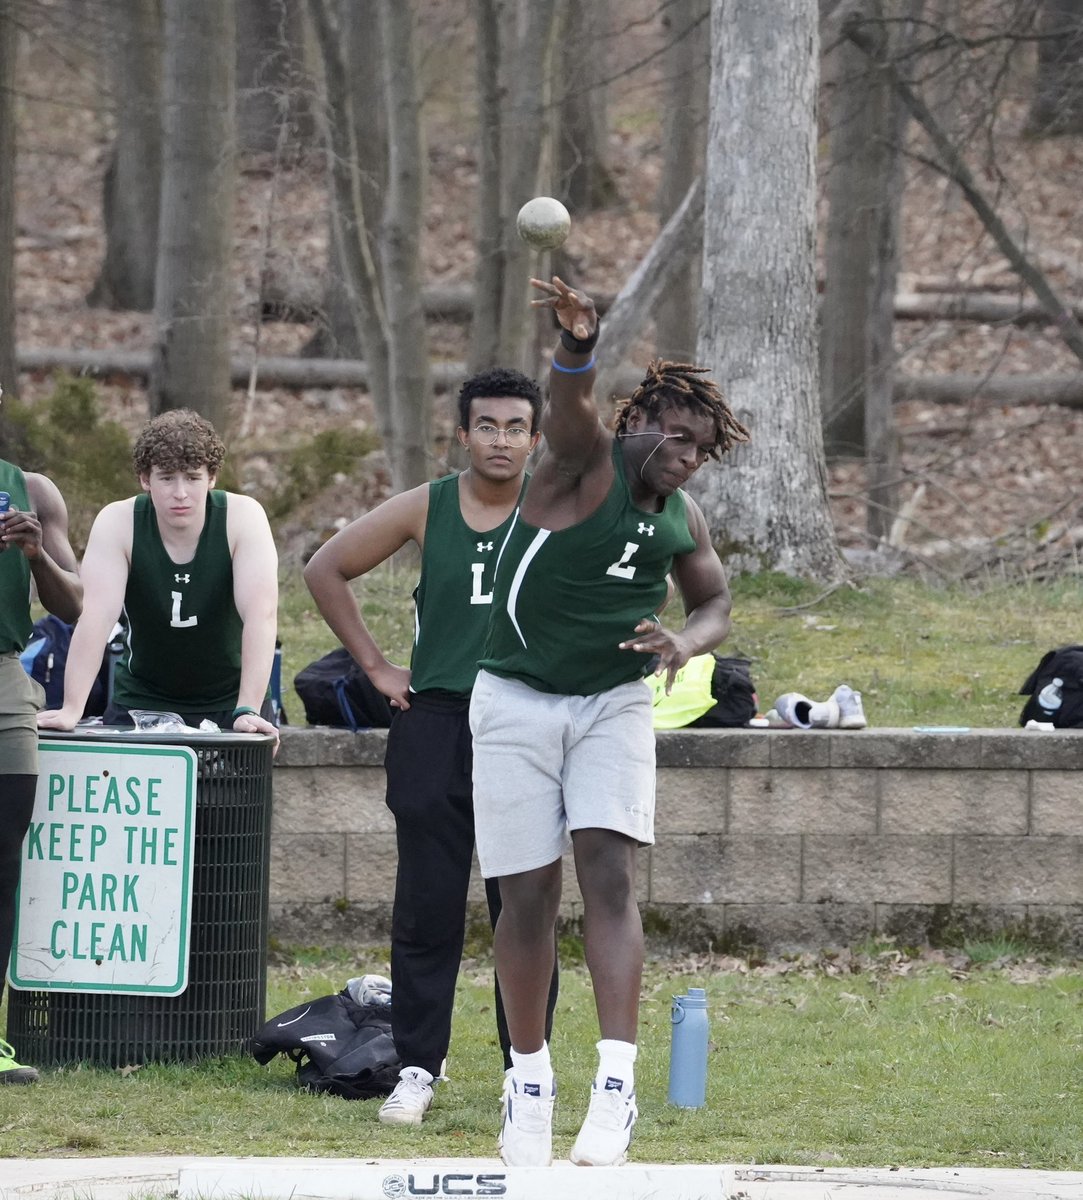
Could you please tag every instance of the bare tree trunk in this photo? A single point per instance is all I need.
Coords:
(767, 504)
(349, 225)
(954, 166)
(133, 176)
(942, 20)
(337, 334)
(489, 273)
(270, 74)
(9, 378)
(1058, 85)
(865, 186)
(585, 181)
(526, 58)
(192, 288)
(680, 241)
(684, 137)
(401, 227)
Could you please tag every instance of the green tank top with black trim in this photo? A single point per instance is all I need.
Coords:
(182, 649)
(564, 599)
(454, 594)
(15, 620)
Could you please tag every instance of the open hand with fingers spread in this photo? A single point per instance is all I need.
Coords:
(574, 310)
(652, 637)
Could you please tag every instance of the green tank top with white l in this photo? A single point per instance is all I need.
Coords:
(564, 599)
(182, 650)
(454, 594)
(15, 622)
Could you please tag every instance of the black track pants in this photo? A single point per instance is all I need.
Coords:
(16, 809)
(429, 762)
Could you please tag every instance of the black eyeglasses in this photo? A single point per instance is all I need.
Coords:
(516, 437)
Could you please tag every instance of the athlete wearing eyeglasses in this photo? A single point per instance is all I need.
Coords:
(459, 523)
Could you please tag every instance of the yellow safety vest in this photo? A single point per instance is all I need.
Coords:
(691, 696)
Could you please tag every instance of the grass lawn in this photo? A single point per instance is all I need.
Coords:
(918, 655)
(849, 1060)
(876, 1060)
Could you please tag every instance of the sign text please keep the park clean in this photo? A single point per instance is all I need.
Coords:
(105, 894)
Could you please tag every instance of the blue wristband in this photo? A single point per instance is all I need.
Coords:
(587, 366)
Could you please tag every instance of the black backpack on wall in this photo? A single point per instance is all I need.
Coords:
(335, 691)
(1064, 663)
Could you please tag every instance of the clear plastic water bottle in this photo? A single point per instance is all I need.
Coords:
(1050, 696)
(688, 1051)
(5, 502)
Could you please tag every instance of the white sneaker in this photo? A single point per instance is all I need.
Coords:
(526, 1134)
(804, 713)
(851, 712)
(411, 1099)
(603, 1140)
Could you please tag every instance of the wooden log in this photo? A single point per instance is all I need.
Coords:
(442, 302)
(299, 373)
(985, 307)
(1063, 389)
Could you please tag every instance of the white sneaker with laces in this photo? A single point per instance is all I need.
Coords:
(804, 713)
(604, 1137)
(526, 1134)
(411, 1099)
(851, 711)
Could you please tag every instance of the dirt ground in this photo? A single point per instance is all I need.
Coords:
(990, 488)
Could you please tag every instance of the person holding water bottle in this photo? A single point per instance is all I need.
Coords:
(34, 550)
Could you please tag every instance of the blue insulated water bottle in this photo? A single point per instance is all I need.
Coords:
(688, 1052)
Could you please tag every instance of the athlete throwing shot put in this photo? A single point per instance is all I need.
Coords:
(563, 742)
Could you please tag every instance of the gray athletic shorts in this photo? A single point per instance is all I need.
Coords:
(546, 765)
(20, 699)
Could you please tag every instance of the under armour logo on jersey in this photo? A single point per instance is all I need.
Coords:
(484, 546)
(182, 579)
(647, 529)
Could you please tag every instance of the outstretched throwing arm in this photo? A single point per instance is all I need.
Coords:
(573, 430)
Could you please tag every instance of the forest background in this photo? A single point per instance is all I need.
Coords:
(242, 192)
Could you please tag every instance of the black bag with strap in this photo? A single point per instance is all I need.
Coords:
(1066, 664)
(340, 1047)
(46, 659)
(734, 693)
(335, 691)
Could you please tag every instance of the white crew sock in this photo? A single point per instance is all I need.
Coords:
(616, 1066)
(534, 1068)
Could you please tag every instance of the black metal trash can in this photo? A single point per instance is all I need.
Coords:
(225, 1000)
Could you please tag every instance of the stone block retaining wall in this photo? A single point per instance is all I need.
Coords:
(778, 839)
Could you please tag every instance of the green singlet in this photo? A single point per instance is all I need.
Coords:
(183, 646)
(564, 599)
(454, 594)
(15, 622)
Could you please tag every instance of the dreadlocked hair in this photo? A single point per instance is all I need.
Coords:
(670, 385)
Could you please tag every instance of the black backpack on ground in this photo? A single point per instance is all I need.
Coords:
(1066, 664)
(340, 1047)
(335, 691)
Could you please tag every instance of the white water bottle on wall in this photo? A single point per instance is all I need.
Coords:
(1050, 696)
